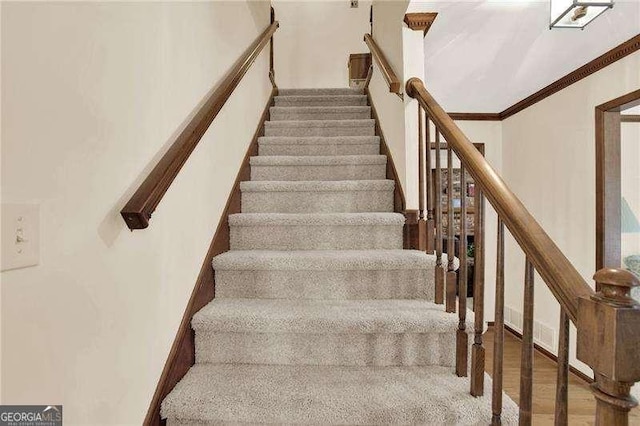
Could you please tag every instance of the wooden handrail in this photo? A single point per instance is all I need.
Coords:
(137, 212)
(387, 71)
(564, 281)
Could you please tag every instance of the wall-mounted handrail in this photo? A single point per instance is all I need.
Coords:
(137, 212)
(564, 281)
(387, 71)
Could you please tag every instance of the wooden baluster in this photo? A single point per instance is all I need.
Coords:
(422, 224)
(498, 342)
(429, 188)
(462, 339)
(562, 390)
(526, 363)
(477, 350)
(608, 336)
(451, 273)
(439, 297)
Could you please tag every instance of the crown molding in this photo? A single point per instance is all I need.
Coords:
(420, 21)
(608, 58)
(622, 50)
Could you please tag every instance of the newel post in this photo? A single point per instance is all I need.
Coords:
(609, 342)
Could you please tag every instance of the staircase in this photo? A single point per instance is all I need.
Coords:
(320, 316)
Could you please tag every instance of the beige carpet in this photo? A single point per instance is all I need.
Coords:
(320, 316)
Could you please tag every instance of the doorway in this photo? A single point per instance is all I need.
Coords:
(618, 183)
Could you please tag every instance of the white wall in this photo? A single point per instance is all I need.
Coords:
(388, 34)
(92, 93)
(484, 56)
(413, 66)
(315, 38)
(549, 162)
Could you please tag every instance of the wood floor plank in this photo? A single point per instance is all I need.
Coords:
(582, 405)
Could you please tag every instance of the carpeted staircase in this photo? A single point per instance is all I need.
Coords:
(320, 316)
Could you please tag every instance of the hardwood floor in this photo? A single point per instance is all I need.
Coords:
(581, 402)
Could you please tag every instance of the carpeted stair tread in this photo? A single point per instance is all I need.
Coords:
(320, 123)
(279, 113)
(326, 274)
(316, 219)
(361, 127)
(316, 160)
(318, 167)
(319, 316)
(318, 140)
(350, 196)
(315, 231)
(317, 186)
(332, 91)
(319, 260)
(319, 145)
(275, 394)
(321, 100)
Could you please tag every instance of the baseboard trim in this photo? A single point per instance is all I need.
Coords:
(546, 353)
(182, 354)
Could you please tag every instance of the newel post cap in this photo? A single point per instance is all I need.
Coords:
(609, 327)
(408, 89)
(615, 286)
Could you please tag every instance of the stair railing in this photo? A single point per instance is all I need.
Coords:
(385, 68)
(607, 321)
(137, 212)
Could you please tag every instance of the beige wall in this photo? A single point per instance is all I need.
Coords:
(549, 161)
(91, 94)
(315, 39)
(387, 32)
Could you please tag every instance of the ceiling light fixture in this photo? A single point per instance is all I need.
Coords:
(576, 13)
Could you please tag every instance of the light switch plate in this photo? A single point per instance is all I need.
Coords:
(20, 236)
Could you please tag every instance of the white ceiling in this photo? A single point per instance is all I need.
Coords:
(484, 56)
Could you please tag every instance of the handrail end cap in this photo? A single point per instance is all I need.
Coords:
(135, 220)
(409, 90)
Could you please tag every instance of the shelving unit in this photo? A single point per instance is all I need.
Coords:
(457, 194)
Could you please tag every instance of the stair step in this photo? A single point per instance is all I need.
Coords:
(297, 168)
(341, 91)
(278, 113)
(215, 394)
(323, 100)
(318, 145)
(320, 231)
(319, 316)
(351, 196)
(364, 127)
(328, 274)
(326, 332)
